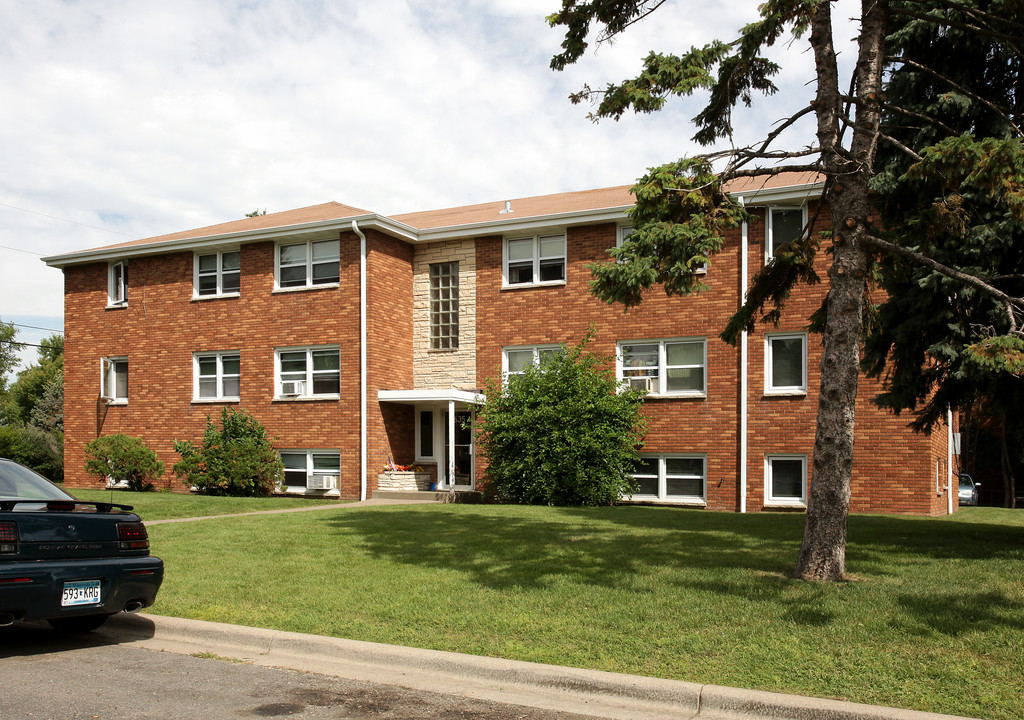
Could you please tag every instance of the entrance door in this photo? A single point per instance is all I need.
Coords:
(464, 475)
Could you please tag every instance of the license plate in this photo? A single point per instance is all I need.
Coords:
(83, 592)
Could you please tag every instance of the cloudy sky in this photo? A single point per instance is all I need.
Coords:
(132, 118)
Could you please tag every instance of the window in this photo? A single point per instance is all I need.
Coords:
(624, 233)
(117, 284)
(785, 480)
(783, 225)
(308, 264)
(425, 436)
(444, 306)
(114, 380)
(680, 478)
(785, 364)
(665, 367)
(515, 360)
(217, 273)
(216, 377)
(535, 260)
(312, 469)
(313, 372)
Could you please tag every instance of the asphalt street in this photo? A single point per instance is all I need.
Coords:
(88, 677)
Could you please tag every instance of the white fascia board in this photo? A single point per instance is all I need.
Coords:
(509, 226)
(789, 195)
(234, 238)
(413, 397)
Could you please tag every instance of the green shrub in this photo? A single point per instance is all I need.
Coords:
(35, 448)
(238, 459)
(561, 433)
(123, 457)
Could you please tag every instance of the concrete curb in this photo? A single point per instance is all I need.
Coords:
(592, 692)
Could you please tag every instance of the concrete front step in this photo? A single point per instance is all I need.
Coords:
(459, 496)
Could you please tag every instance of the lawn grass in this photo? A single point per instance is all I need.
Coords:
(932, 620)
(166, 506)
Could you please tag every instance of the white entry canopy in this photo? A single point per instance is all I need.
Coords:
(418, 397)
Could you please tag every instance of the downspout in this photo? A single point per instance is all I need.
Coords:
(949, 461)
(744, 280)
(362, 360)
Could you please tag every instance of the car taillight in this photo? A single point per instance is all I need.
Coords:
(8, 537)
(132, 536)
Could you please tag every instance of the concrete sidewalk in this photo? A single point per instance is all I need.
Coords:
(591, 692)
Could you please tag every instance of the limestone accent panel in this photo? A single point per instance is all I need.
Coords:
(440, 369)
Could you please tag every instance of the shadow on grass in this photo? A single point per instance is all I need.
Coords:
(645, 550)
(955, 614)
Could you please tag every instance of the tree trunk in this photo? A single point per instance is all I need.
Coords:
(1009, 486)
(823, 552)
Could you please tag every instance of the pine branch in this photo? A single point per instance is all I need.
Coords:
(885, 246)
(900, 146)
(962, 90)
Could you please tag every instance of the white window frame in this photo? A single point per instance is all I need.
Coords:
(108, 380)
(436, 432)
(117, 284)
(769, 360)
(311, 469)
(663, 366)
(663, 475)
(309, 264)
(306, 393)
(769, 242)
(219, 292)
(770, 498)
(536, 260)
(535, 349)
(220, 376)
(623, 233)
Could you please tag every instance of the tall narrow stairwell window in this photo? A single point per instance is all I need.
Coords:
(444, 306)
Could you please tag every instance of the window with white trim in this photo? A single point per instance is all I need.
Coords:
(785, 364)
(216, 376)
(665, 367)
(308, 264)
(785, 481)
(309, 372)
(537, 260)
(444, 305)
(114, 380)
(783, 225)
(117, 284)
(624, 233)
(678, 478)
(425, 424)
(217, 274)
(313, 469)
(514, 360)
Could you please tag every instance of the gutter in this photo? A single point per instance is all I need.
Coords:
(362, 360)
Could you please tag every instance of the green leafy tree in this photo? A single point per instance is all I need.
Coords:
(236, 459)
(35, 448)
(123, 457)
(561, 433)
(8, 351)
(32, 383)
(848, 114)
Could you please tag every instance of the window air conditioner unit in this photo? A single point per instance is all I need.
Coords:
(650, 384)
(323, 482)
(290, 388)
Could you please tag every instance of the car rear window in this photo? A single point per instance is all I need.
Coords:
(19, 483)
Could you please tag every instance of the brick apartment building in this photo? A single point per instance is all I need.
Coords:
(357, 338)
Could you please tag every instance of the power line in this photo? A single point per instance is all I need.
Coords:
(36, 327)
(74, 222)
(29, 252)
(24, 344)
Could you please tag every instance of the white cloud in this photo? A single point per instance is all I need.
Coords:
(143, 117)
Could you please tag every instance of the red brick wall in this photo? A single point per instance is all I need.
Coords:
(894, 468)
(161, 328)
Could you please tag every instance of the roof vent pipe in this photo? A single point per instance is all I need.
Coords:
(508, 208)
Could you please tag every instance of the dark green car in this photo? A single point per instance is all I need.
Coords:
(69, 562)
